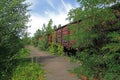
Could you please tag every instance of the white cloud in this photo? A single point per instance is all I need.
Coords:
(37, 20)
(58, 18)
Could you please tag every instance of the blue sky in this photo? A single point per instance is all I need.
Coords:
(44, 10)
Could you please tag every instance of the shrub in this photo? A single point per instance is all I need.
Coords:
(23, 53)
(60, 50)
(28, 71)
(56, 49)
(42, 44)
(23, 69)
(98, 38)
(103, 65)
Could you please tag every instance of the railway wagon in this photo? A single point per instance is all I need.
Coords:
(60, 36)
(64, 31)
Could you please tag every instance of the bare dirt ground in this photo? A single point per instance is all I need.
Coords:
(56, 67)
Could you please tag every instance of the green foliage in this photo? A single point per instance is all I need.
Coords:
(43, 43)
(56, 49)
(82, 36)
(36, 37)
(99, 66)
(112, 76)
(49, 27)
(53, 48)
(26, 39)
(13, 62)
(115, 36)
(73, 59)
(73, 14)
(23, 53)
(28, 71)
(60, 50)
(13, 19)
(92, 64)
(40, 38)
(24, 69)
(98, 38)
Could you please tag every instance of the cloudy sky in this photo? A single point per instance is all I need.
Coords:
(44, 10)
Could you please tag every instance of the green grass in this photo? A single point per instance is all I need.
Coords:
(27, 70)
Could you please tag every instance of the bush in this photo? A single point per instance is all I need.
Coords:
(24, 69)
(52, 48)
(60, 50)
(23, 53)
(56, 49)
(98, 39)
(91, 64)
(42, 44)
(28, 71)
(102, 65)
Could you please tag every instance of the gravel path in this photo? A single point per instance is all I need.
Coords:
(56, 68)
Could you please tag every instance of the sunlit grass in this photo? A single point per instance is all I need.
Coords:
(27, 70)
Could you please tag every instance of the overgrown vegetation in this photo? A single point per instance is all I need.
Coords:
(13, 19)
(26, 39)
(56, 49)
(28, 71)
(25, 69)
(40, 38)
(14, 64)
(97, 38)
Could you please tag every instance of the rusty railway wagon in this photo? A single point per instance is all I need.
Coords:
(59, 37)
(64, 31)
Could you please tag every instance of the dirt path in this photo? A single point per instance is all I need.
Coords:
(56, 68)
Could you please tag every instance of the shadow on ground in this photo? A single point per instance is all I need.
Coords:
(42, 59)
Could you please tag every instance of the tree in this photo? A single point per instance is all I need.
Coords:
(38, 34)
(49, 27)
(41, 36)
(13, 18)
(97, 37)
(26, 39)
